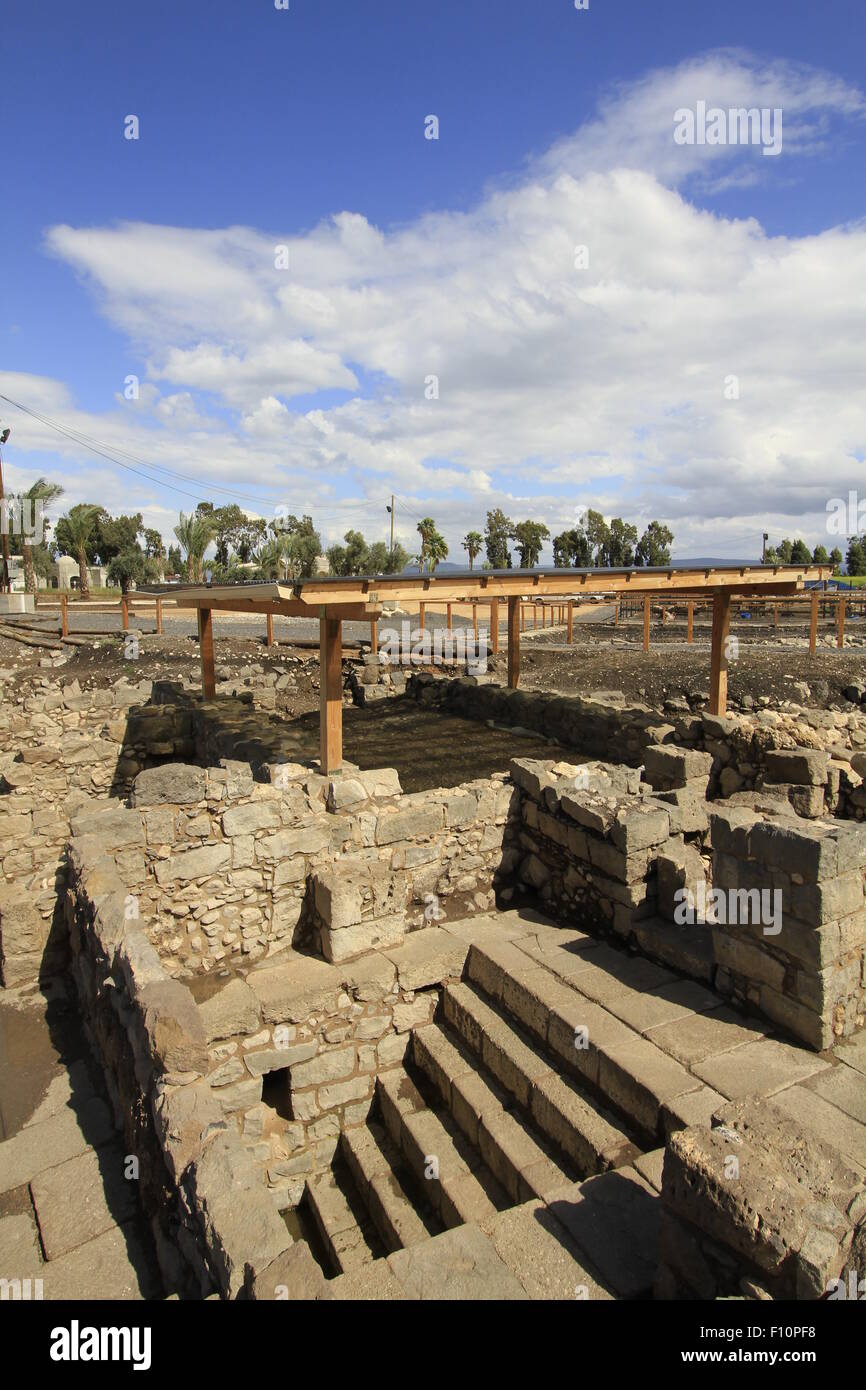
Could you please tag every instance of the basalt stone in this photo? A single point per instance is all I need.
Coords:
(177, 784)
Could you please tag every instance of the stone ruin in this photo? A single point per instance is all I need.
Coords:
(377, 1037)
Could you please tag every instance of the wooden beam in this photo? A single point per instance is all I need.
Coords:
(270, 636)
(719, 653)
(570, 633)
(205, 644)
(494, 625)
(124, 612)
(840, 624)
(64, 615)
(514, 642)
(159, 615)
(421, 610)
(374, 636)
(646, 622)
(690, 628)
(448, 616)
(475, 622)
(330, 694)
(813, 623)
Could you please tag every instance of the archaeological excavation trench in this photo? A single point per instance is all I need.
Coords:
(441, 1025)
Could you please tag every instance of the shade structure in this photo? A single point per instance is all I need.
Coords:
(334, 600)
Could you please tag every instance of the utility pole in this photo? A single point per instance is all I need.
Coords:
(391, 510)
(764, 547)
(7, 582)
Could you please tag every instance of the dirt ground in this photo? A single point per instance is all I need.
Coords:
(767, 667)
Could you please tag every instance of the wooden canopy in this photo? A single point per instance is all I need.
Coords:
(335, 600)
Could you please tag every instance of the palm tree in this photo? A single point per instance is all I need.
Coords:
(80, 522)
(472, 542)
(41, 494)
(195, 533)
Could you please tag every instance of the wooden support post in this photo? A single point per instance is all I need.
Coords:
(448, 616)
(494, 625)
(719, 653)
(616, 612)
(840, 632)
(813, 624)
(330, 694)
(421, 610)
(270, 638)
(205, 645)
(64, 616)
(775, 616)
(664, 613)
(535, 615)
(522, 618)
(514, 642)
(570, 634)
(374, 636)
(646, 622)
(690, 629)
(475, 623)
(159, 615)
(124, 612)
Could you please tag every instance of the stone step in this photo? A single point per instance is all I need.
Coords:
(347, 1244)
(374, 1163)
(573, 1129)
(687, 949)
(631, 1075)
(447, 1169)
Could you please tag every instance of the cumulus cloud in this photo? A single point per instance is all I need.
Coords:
(684, 365)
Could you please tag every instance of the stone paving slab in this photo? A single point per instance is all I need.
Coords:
(69, 1090)
(103, 1198)
(20, 1256)
(614, 1222)
(113, 1266)
(373, 1283)
(759, 1069)
(819, 1117)
(53, 1141)
(853, 1052)
(843, 1087)
(542, 1256)
(643, 1011)
(459, 1264)
(694, 1039)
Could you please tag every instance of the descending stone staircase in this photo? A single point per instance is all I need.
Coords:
(495, 1107)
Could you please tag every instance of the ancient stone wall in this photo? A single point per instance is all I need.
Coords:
(748, 751)
(805, 965)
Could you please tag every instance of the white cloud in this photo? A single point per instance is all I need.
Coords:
(557, 385)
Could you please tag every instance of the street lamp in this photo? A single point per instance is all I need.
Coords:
(7, 585)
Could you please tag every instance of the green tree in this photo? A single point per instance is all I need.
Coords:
(195, 533)
(433, 546)
(572, 550)
(132, 567)
(529, 537)
(154, 545)
(472, 543)
(622, 539)
(113, 534)
(855, 561)
(820, 556)
(598, 535)
(654, 546)
(40, 495)
(174, 563)
(835, 557)
(496, 537)
(800, 553)
(73, 535)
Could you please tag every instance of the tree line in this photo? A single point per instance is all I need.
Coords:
(288, 547)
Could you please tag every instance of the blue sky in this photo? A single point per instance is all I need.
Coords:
(411, 257)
